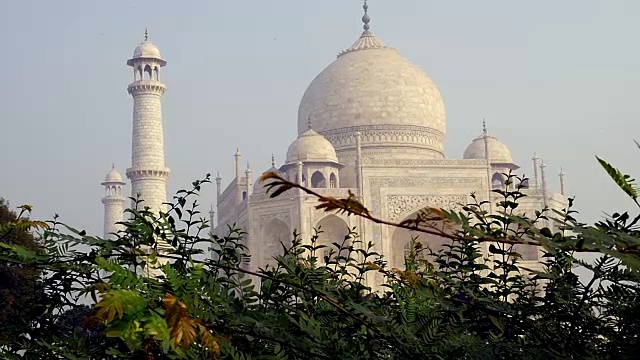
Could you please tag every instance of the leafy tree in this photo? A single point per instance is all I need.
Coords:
(152, 298)
(18, 289)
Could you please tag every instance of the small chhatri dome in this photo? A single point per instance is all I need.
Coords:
(113, 176)
(147, 50)
(311, 146)
(498, 152)
(257, 184)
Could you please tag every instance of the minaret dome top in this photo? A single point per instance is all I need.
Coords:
(113, 177)
(147, 50)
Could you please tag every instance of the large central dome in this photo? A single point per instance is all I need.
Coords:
(372, 89)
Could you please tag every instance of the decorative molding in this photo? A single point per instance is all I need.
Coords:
(421, 162)
(114, 200)
(401, 135)
(150, 87)
(335, 192)
(138, 174)
(422, 181)
(398, 206)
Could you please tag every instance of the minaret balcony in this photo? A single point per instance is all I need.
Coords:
(113, 200)
(146, 86)
(139, 174)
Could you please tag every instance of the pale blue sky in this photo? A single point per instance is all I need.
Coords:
(559, 77)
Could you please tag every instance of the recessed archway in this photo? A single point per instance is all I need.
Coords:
(497, 180)
(333, 181)
(147, 72)
(275, 234)
(401, 240)
(318, 180)
(332, 229)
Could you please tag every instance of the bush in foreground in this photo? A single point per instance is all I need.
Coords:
(150, 297)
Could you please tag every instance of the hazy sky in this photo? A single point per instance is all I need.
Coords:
(559, 77)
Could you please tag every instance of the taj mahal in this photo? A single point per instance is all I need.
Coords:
(371, 123)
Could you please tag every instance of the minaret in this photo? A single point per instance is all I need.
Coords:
(485, 138)
(359, 165)
(212, 218)
(536, 166)
(239, 189)
(563, 182)
(147, 173)
(299, 175)
(218, 186)
(113, 201)
(543, 178)
(248, 175)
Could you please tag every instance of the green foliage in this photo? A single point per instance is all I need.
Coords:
(18, 285)
(154, 295)
(625, 182)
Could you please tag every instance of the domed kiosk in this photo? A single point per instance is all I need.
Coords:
(311, 146)
(113, 176)
(498, 152)
(147, 50)
(489, 148)
(312, 160)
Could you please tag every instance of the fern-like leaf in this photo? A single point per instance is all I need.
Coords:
(625, 182)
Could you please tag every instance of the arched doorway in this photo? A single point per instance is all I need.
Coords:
(333, 181)
(497, 181)
(401, 240)
(275, 234)
(332, 229)
(318, 180)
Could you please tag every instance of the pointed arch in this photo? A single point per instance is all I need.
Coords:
(401, 240)
(275, 234)
(156, 73)
(497, 181)
(333, 181)
(332, 229)
(318, 180)
(147, 72)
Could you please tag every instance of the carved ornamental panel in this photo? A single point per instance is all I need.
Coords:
(401, 205)
(376, 183)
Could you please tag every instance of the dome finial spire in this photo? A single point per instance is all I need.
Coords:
(484, 127)
(366, 19)
(146, 34)
(309, 121)
(273, 160)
